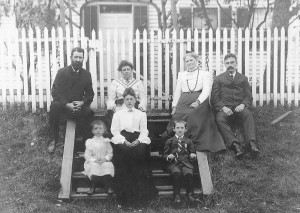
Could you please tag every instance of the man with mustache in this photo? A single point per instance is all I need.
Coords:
(231, 97)
(72, 94)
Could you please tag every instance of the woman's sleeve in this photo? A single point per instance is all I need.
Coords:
(206, 86)
(178, 90)
(109, 152)
(112, 94)
(89, 154)
(143, 95)
(116, 130)
(143, 138)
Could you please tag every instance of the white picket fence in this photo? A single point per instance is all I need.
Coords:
(30, 59)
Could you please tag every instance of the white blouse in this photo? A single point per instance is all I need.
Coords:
(117, 88)
(187, 82)
(135, 121)
(97, 148)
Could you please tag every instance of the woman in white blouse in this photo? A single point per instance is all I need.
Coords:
(131, 152)
(191, 103)
(117, 87)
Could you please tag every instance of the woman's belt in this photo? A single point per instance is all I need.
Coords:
(193, 91)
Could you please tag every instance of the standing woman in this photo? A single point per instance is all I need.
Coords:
(115, 99)
(191, 103)
(131, 153)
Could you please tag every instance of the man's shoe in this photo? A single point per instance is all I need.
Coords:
(51, 147)
(176, 199)
(91, 191)
(190, 197)
(253, 148)
(238, 150)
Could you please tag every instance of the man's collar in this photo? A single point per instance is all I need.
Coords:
(179, 137)
(232, 73)
(77, 71)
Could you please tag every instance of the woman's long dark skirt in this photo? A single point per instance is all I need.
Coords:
(133, 179)
(201, 125)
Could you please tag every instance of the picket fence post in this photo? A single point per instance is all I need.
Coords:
(156, 55)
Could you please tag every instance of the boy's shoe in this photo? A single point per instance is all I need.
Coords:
(91, 191)
(253, 148)
(191, 198)
(176, 199)
(51, 146)
(110, 191)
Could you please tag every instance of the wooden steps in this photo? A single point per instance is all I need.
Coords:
(74, 185)
(81, 186)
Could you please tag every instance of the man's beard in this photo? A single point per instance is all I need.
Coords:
(77, 65)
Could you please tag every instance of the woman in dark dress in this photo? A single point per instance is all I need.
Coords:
(191, 103)
(131, 153)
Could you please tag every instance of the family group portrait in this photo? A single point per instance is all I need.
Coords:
(150, 106)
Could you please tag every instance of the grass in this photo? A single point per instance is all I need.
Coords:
(30, 176)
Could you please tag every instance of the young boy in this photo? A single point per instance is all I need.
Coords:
(179, 151)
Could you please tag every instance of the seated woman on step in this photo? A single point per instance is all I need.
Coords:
(131, 152)
(98, 154)
(115, 100)
(191, 104)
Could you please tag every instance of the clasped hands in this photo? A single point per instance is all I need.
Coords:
(100, 161)
(74, 106)
(133, 144)
(171, 157)
(229, 112)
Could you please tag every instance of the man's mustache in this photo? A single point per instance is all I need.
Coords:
(230, 68)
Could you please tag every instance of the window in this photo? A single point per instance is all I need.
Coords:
(115, 8)
(242, 14)
(195, 19)
(140, 18)
(200, 21)
(90, 21)
(225, 18)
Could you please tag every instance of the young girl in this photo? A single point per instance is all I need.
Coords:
(98, 154)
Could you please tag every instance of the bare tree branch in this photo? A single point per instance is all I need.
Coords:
(222, 9)
(207, 20)
(164, 16)
(266, 14)
(250, 13)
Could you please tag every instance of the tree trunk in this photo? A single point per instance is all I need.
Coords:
(174, 14)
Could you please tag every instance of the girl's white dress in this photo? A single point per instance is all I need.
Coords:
(97, 148)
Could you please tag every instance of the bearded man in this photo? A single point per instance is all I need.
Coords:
(72, 94)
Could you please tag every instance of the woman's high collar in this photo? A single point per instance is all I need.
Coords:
(196, 68)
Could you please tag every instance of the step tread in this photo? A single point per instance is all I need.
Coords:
(155, 172)
(152, 154)
(197, 191)
(99, 191)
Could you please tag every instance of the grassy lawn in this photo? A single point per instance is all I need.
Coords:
(270, 183)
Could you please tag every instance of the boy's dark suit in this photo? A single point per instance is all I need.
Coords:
(182, 163)
(231, 92)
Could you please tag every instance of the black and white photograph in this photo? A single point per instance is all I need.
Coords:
(150, 106)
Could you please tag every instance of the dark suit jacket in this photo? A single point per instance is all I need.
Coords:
(230, 92)
(171, 147)
(69, 86)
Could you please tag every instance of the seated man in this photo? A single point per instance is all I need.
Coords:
(72, 94)
(231, 96)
